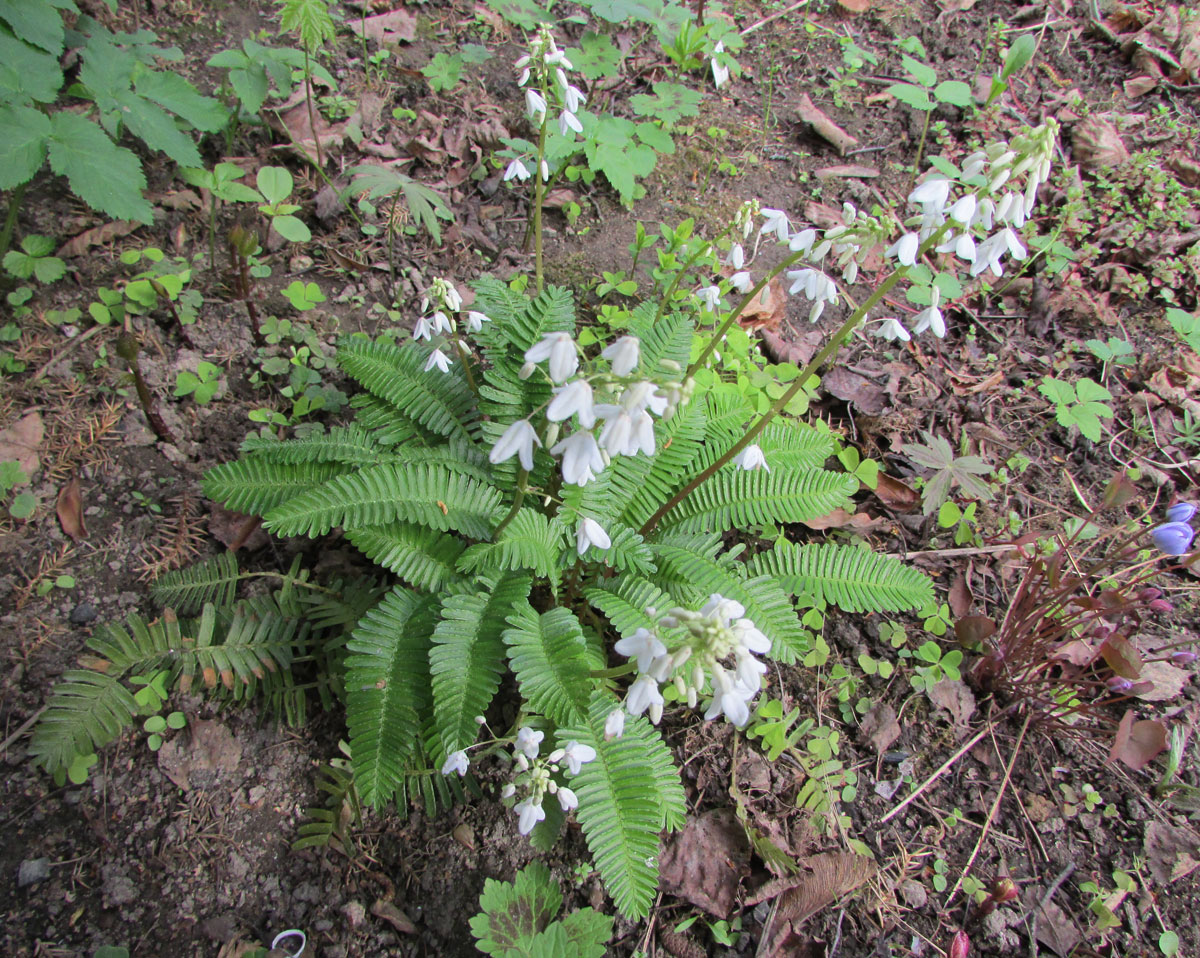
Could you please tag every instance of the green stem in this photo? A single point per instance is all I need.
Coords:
(464, 356)
(670, 290)
(522, 485)
(10, 219)
(834, 343)
(615, 672)
(920, 152)
(539, 195)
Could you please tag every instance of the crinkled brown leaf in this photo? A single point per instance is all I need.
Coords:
(956, 699)
(767, 310)
(1096, 143)
(1164, 682)
(1137, 743)
(393, 916)
(1171, 851)
(824, 127)
(97, 236)
(397, 26)
(705, 863)
(866, 396)
(880, 727)
(70, 510)
(895, 494)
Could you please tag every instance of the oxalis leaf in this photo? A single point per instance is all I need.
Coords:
(962, 471)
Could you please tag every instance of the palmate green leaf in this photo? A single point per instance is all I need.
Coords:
(105, 176)
(964, 471)
(739, 499)
(627, 795)
(855, 580)
(23, 135)
(310, 19)
(256, 485)
(550, 659)
(27, 74)
(378, 182)
(511, 913)
(532, 541)
(431, 495)
(173, 92)
(424, 558)
(36, 22)
(388, 691)
(670, 103)
(467, 659)
(440, 402)
(691, 578)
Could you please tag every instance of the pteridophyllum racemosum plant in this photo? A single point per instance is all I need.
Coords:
(561, 515)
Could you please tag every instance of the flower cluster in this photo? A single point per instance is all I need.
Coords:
(613, 410)
(1174, 537)
(535, 776)
(547, 67)
(700, 665)
(974, 215)
(441, 312)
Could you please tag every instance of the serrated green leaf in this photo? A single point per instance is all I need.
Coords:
(36, 22)
(1088, 391)
(670, 103)
(23, 134)
(173, 92)
(1057, 391)
(922, 73)
(914, 96)
(955, 92)
(157, 129)
(26, 73)
(105, 176)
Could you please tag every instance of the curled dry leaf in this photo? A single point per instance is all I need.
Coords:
(393, 916)
(824, 127)
(857, 390)
(1137, 743)
(1170, 852)
(847, 170)
(823, 879)
(767, 310)
(399, 26)
(1097, 144)
(1164, 682)
(895, 494)
(841, 519)
(880, 727)
(70, 510)
(705, 863)
(97, 236)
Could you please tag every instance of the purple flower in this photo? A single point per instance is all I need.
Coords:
(1181, 512)
(1173, 538)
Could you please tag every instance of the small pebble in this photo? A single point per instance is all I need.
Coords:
(83, 613)
(33, 870)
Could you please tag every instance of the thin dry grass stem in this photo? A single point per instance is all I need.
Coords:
(941, 770)
(178, 541)
(991, 816)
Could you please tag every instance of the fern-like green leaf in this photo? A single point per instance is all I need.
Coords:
(627, 795)
(518, 321)
(691, 578)
(387, 692)
(668, 337)
(530, 542)
(214, 580)
(256, 486)
(740, 499)
(855, 580)
(624, 601)
(467, 659)
(425, 558)
(431, 495)
(549, 656)
(346, 444)
(628, 552)
(443, 403)
(86, 710)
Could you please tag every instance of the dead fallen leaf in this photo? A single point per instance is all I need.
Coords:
(1170, 851)
(823, 879)
(706, 862)
(21, 441)
(97, 236)
(880, 727)
(824, 127)
(395, 27)
(1166, 682)
(840, 519)
(1139, 86)
(233, 529)
(866, 396)
(848, 170)
(1137, 743)
(955, 698)
(70, 510)
(201, 758)
(393, 916)
(767, 310)
(1097, 143)
(960, 596)
(957, 6)
(855, 6)
(895, 494)
(799, 352)
(1055, 929)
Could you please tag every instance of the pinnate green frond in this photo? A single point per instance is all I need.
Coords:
(669, 338)
(626, 797)
(628, 552)
(346, 444)
(443, 403)
(654, 479)
(855, 580)
(549, 656)
(85, 711)
(186, 590)
(467, 659)
(387, 691)
(431, 495)
(530, 542)
(624, 600)
(424, 558)
(740, 499)
(691, 578)
(518, 321)
(256, 486)
(388, 425)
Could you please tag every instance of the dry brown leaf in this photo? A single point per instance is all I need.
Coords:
(840, 519)
(824, 127)
(895, 494)
(1139, 86)
(857, 390)
(393, 916)
(880, 727)
(97, 236)
(21, 442)
(957, 6)
(847, 170)
(855, 6)
(1170, 851)
(70, 510)
(824, 879)
(210, 752)
(706, 862)
(1165, 681)
(798, 352)
(1137, 743)
(1055, 929)
(1097, 143)
(956, 699)
(767, 310)
(960, 596)
(395, 27)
